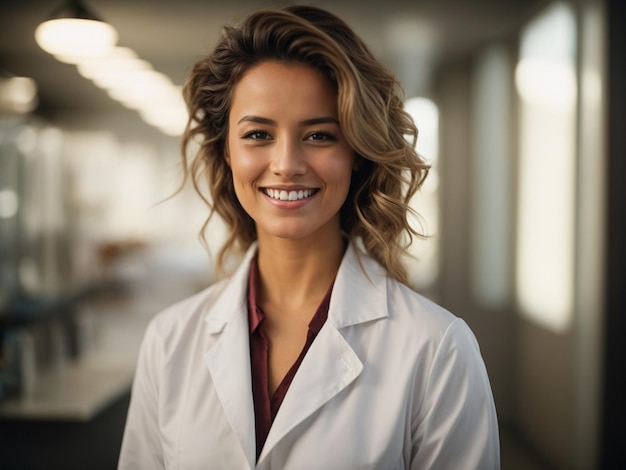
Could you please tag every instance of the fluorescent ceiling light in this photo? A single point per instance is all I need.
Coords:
(73, 32)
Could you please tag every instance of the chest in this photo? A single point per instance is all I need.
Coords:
(329, 418)
(347, 432)
(279, 345)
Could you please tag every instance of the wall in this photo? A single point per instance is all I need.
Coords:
(494, 328)
(547, 385)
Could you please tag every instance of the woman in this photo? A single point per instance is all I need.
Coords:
(314, 354)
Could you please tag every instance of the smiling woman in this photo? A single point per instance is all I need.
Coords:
(285, 142)
(314, 353)
(368, 107)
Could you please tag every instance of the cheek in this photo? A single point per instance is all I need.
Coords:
(339, 169)
(246, 170)
(240, 171)
(240, 162)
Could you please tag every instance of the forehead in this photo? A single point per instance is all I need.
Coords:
(273, 84)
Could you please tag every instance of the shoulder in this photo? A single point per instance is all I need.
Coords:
(404, 301)
(366, 294)
(425, 323)
(175, 322)
(217, 302)
(414, 319)
(426, 315)
(404, 306)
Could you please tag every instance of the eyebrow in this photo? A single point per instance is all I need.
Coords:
(306, 122)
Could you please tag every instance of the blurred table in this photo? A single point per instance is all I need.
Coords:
(108, 330)
(76, 392)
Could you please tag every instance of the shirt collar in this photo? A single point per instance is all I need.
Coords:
(256, 314)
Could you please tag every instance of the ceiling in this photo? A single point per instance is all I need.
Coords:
(413, 37)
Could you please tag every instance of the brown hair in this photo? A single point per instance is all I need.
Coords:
(370, 113)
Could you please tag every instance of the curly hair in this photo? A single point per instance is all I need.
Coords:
(371, 116)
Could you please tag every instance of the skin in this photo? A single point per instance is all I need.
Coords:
(284, 135)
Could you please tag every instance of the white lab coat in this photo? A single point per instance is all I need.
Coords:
(392, 381)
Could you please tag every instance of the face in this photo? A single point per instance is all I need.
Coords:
(290, 161)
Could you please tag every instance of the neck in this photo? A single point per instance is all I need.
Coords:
(296, 274)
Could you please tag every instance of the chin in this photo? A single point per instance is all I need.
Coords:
(302, 229)
(290, 234)
(288, 231)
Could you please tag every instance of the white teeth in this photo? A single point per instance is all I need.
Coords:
(283, 195)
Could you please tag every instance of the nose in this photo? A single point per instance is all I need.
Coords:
(288, 159)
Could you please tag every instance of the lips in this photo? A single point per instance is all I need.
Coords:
(289, 195)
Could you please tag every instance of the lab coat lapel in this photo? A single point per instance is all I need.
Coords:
(331, 364)
(228, 357)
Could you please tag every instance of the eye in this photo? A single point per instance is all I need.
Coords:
(256, 135)
(321, 136)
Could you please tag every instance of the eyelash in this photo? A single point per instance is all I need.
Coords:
(326, 136)
(258, 134)
(253, 135)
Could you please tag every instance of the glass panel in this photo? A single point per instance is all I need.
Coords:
(492, 179)
(546, 83)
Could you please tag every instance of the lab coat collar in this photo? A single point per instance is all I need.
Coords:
(228, 356)
(233, 300)
(359, 296)
(359, 278)
(360, 291)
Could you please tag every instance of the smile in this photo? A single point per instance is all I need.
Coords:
(282, 195)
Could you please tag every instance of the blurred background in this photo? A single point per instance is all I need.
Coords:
(520, 106)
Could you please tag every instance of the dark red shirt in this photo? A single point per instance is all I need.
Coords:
(266, 407)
